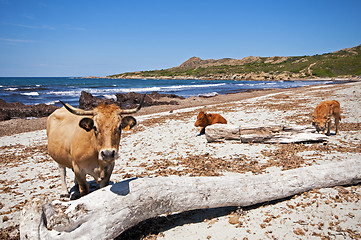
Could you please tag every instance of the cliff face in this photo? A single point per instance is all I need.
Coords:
(342, 63)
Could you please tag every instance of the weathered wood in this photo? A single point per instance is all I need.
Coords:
(262, 134)
(220, 132)
(109, 211)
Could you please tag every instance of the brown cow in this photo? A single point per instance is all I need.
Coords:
(87, 142)
(323, 113)
(204, 120)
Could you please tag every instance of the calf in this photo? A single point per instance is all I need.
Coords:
(323, 113)
(204, 120)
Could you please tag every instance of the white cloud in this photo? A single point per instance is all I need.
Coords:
(30, 26)
(12, 40)
(34, 26)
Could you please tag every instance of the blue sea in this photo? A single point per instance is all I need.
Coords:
(49, 90)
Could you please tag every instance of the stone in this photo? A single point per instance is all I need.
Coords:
(20, 110)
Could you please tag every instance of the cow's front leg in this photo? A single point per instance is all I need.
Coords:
(80, 176)
(64, 193)
(107, 173)
(202, 132)
(328, 128)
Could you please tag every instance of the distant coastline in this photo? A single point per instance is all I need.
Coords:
(344, 64)
(344, 78)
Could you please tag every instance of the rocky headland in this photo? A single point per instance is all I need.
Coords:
(344, 64)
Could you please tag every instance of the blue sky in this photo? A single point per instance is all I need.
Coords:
(99, 38)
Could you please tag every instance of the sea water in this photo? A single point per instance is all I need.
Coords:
(49, 90)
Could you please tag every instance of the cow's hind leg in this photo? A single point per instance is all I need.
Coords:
(337, 123)
(64, 189)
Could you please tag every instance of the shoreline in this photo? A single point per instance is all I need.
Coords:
(21, 125)
(348, 78)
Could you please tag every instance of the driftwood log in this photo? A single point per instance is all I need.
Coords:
(263, 134)
(107, 212)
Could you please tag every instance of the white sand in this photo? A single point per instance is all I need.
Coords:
(333, 212)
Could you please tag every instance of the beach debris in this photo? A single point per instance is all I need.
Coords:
(263, 134)
(134, 200)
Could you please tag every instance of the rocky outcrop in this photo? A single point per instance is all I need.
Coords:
(87, 101)
(20, 110)
(132, 99)
(128, 100)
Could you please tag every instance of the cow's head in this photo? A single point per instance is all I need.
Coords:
(202, 120)
(320, 122)
(106, 122)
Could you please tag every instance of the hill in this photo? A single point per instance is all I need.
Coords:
(342, 63)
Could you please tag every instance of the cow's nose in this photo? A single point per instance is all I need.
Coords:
(107, 154)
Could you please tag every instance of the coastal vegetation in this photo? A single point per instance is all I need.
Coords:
(343, 63)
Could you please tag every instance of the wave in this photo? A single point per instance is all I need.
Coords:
(52, 102)
(211, 94)
(64, 93)
(169, 88)
(11, 89)
(111, 91)
(110, 96)
(25, 89)
(30, 94)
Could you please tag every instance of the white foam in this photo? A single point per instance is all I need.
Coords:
(30, 94)
(211, 94)
(52, 102)
(110, 96)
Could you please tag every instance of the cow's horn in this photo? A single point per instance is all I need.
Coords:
(134, 110)
(77, 111)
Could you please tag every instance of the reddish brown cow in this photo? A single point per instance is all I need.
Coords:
(204, 120)
(323, 113)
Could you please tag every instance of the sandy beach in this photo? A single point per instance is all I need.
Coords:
(164, 143)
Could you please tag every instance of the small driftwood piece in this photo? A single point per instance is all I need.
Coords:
(107, 212)
(262, 134)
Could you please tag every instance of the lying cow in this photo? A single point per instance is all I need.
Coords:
(87, 142)
(204, 120)
(323, 113)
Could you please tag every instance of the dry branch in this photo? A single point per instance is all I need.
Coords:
(107, 212)
(262, 134)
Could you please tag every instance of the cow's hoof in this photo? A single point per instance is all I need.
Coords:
(65, 195)
(75, 195)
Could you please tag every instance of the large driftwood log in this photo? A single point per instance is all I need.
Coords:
(109, 211)
(262, 134)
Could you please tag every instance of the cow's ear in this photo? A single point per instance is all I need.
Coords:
(87, 124)
(128, 122)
